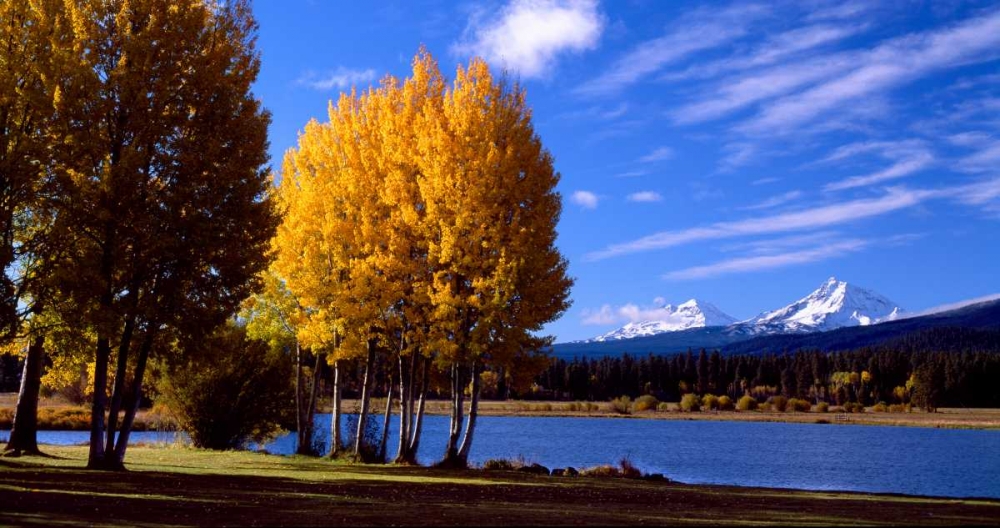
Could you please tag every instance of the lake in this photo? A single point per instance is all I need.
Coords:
(910, 460)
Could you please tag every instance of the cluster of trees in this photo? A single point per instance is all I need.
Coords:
(865, 376)
(412, 235)
(135, 207)
(418, 232)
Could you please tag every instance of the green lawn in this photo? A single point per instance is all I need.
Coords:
(171, 486)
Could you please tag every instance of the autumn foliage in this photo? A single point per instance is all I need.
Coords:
(420, 227)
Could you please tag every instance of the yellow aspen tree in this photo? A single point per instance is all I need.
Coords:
(492, 208)
(161, 160)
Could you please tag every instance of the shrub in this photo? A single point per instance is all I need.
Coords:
(602, 471)
(797, 405)
(710, 402)
(628, 469)
(854, 407)
(228, 390)
(822, 407)
(897, 408)
(622, 405)
(765, 407)
(625, 469)
(663, 407)
(726, 403)
(646, 402)
(880, 407)
(500, 464)
(746, 403)
(690, 403)
(778, 403)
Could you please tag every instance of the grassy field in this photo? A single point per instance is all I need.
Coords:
(175, 486)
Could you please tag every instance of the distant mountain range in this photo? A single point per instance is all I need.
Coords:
(835, 316)
(691, 314)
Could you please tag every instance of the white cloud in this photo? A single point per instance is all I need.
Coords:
(528, 36)
(645, 196)
(658, 154)
(742, 91)
(604, 316)
(737, 155)
(889, 65)
(766, 262)
(829, 215)
(986, 159)
(629, 313)
(631, 174)
(341, 78)
(765, 181)
(909, 156)
(585, 199)
(779, 48)
(774, 201)
(984, 194)
(776, 245)
(698, 31)
(840, 10)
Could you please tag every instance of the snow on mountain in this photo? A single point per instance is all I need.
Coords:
(691, 314)
(834, 304)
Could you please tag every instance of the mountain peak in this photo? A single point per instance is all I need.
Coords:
(689, 314)
(834, 304)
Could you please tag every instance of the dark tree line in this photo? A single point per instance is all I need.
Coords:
(897, 372)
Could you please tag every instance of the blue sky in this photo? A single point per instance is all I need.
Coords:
(736, 153)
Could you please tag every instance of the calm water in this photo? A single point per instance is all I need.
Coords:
(945, 462)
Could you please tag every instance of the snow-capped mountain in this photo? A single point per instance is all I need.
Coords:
(692, 314)
(835, 304)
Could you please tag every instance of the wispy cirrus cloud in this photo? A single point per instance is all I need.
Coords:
(781, 47)
(694, 32)
(774, 201)
(889, 65)
(908, 156)
(645, 197)
(340, 78)
(899, 169)
(528, 36)
(985, 193)
(657, 154)
(767, 262)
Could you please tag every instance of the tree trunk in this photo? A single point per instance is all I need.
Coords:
(24, 433)
(365, 397)
(298, 399)
(119, 385)
(382, 455)
(310, 416)
(96, 457)
(335, 440)
(470, 426)
(140, 370)
(406, 380)
(457, 416)
(419, 418)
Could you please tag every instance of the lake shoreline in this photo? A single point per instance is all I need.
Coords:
(185, 486)
(975, 419)
(56, 415)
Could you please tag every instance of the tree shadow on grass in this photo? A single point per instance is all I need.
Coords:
(32, 494)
